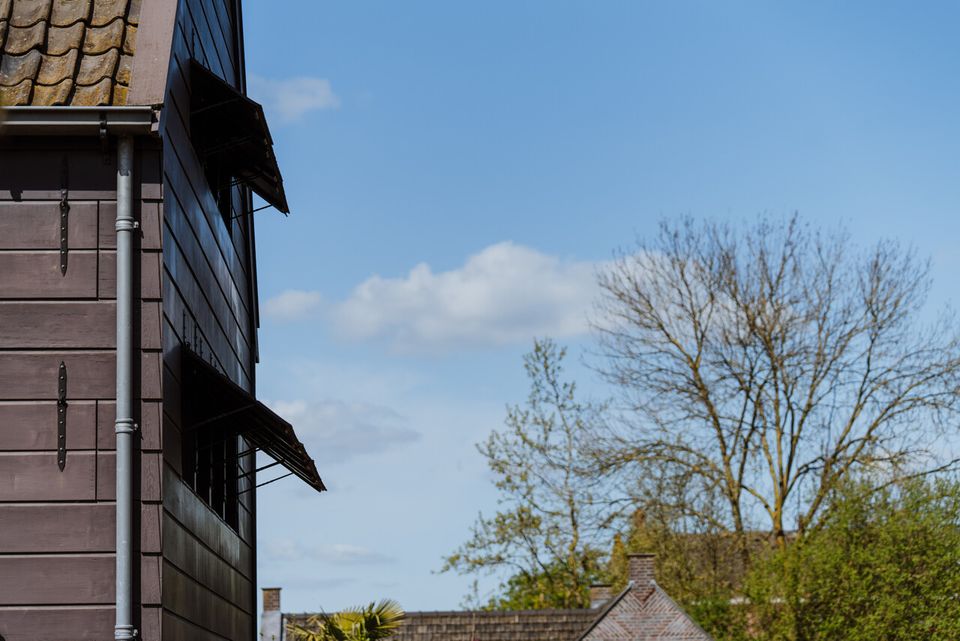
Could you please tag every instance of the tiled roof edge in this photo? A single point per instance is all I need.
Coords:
(605, 610)
(657, 588)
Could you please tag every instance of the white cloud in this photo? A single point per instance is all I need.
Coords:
(505, 294)
(292, 304)
(336, 431)
(333, 553)
(292, 98)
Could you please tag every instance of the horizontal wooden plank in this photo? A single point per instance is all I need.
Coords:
(34, 476)
(181, 503)
(150, 224)
(192, 209)
(71, 528)
(62, 528)
(70, 579)
(173, 444)
(149, 476)
(62, 324)
(149, 422)
(150, 623)
(31, 172)
(176, 628)
(204, 334)
(33, 375)
(151, 518)
(32, 275)
(36, 225)
(196, 603)
(32, 425)
(58, 624)
(150, 584)
(194, 559)
(59, 579)
(151, 372)
(181, 268)
(149, 275)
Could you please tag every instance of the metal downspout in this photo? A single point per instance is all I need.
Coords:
(125, 427)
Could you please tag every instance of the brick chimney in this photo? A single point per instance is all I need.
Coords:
(271, 599)
(600, 593)
(271, 621)
(640, 569)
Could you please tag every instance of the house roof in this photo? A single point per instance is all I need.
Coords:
(518, 625)
(67, 52)
(635, 614)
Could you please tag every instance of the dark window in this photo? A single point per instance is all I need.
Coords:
(221, 186)
(211, 469)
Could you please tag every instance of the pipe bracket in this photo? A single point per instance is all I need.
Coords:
(125, 426)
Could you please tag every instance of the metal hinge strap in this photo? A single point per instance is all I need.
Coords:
(64, 210)
(62, 417)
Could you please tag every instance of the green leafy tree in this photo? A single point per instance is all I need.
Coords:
(545, 534)
(368, 623)
(884, 564)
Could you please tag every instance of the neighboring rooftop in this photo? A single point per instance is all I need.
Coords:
(641, 612)
(67, 52)
(521, 625)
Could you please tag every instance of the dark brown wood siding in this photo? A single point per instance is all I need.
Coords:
(208, 567)
(57, 527)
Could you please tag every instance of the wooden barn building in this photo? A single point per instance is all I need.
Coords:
(129, 425)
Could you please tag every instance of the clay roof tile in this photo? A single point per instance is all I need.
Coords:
(133, 14)
(15, 69)
(99, 39)
(93, 95)
(123, 69)
(120, 94)
(106, 11)
(26, 13)
(130, 40)
(17, 95)
(68, 12)
(47, 95)
(94, 68)
(22, 39)
(62, 39)
(54, 69)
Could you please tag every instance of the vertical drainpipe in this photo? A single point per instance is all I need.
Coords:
(125, 428)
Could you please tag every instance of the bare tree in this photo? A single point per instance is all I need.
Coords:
(771, 361)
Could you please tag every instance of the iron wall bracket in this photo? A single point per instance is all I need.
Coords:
(62, 417)
(64, 246)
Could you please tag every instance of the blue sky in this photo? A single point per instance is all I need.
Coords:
(457, 171)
